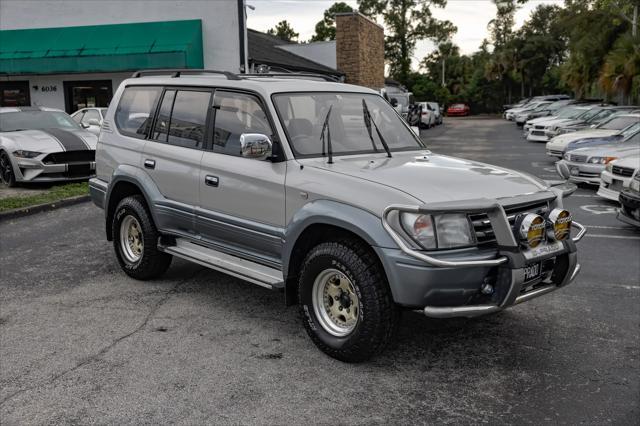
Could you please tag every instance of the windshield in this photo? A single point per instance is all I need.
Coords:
(303, 116)
(554, 106)
(618, 123)
(585, 116)
(630, 131)
(570, 112)
(541, 107)
(34, 120)
(600, 116)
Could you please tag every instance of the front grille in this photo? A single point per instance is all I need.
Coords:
(578, 158)
(538, 133)
(555, 152)
(482, 226)
(538, 127)
(83, 156)
(622, 171)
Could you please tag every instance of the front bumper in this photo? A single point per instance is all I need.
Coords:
(611, 185)
(449, 285)
(630, 210)
(34, 170)
(580, 172)
(536, 135)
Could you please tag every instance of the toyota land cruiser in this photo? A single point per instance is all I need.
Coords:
(320, 190)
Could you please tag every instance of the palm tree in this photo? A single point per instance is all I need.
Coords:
(621, 67)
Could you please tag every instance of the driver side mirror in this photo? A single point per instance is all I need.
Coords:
(394, 102)
(256, 146)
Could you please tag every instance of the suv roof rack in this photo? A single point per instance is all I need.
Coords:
(178, 72)
(291, 75)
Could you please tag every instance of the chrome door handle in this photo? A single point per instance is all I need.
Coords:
(211, 180)
(150, 164)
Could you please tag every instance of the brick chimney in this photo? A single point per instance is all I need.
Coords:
(360, 49)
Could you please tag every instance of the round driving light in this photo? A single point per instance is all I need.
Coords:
(531, 229)
(561, 221)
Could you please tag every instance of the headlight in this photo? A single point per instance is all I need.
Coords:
(561, 221)
(609, 167)
(439, 231)
(531, 229)
(600, 160)
(26, 154)
(566, 156)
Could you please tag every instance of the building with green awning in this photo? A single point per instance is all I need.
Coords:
(102, 48)
(71, 54)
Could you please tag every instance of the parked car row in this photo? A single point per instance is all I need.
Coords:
(430, 114)
(595, 144)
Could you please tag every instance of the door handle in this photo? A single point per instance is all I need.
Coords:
(211, 180)
(150, 164)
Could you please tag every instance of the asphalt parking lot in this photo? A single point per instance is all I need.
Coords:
(82, 343)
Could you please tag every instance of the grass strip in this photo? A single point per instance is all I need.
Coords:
(56, 193)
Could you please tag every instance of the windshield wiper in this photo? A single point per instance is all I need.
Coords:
(368, 118)
(326, 127)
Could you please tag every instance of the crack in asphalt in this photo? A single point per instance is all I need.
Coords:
(101, 352)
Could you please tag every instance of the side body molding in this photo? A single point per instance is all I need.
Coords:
(325, 212)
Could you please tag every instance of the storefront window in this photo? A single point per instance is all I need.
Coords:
(14, 93)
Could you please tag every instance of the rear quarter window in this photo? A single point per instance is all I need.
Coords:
(136, 109)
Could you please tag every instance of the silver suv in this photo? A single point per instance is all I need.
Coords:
(320, 190)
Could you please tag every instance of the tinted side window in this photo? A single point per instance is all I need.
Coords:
(135, 110)
(189, 118)
(237, 113)
(161, 129)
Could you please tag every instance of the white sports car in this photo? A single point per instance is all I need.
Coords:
(39, 144)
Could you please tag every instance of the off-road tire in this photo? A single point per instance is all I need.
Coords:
(379, 316)
(152, 263)
(9, 180)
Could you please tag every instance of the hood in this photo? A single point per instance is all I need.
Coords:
(433, 178)
(51, 140)
(563, 140)
(631, 161)
(553, 122)
(609, 150)
(541, 120)
(591, 142)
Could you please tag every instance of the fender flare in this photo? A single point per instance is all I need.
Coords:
(132, 175)
(362, 223)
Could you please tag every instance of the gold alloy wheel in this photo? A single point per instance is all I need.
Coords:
(131, 239)
(335, 302)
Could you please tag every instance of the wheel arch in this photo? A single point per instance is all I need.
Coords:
(126, 183)
(321, 221)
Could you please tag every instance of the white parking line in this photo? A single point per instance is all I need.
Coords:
(625, 228)
(618, 237)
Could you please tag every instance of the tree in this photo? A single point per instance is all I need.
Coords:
(621, 68)
(326, 29)
(284, 31)
(406, 22)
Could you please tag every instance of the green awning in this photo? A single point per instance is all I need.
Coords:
(102, 48)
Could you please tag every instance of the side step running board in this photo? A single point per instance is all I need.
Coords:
(244, 269)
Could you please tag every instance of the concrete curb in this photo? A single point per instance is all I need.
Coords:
(27, 211)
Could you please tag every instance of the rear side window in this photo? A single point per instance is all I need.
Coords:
(189, 118)
(161, 130)
(135, 111)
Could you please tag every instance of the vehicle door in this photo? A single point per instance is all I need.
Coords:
(173, 153)
(242, 200)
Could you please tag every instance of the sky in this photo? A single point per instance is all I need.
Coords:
(470, 16)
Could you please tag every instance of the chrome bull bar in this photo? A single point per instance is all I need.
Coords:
(493, 209)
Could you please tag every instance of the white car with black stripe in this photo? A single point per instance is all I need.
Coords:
(39, 144)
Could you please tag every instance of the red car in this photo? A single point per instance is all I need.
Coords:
(459, 110)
